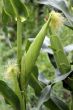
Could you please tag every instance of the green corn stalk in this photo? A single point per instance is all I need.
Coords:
(19, 41)
(59, 54)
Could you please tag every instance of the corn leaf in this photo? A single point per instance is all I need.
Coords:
(9, 95)
(50, 103)
(60, 5)
(45, 95)
(15, 8)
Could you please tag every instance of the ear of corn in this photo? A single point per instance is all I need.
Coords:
(62, 61)
(11, 79)
(59, 54)
(30, 58)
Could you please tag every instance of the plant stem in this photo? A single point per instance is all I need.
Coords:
(19, 52)
(19, 42)
(23, 103)
(24, 97)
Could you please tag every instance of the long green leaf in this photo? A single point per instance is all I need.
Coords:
(9, 95)
(15, 8)
(38, 87)
(60, 5)
(59, 103)
(45, 96)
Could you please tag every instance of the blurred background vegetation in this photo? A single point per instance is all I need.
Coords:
(38, 14)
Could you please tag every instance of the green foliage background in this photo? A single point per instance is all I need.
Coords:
(31, 28)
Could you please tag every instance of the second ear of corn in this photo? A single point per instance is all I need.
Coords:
(11, 79)
(56, 22)
(60, 57)
(59, 54)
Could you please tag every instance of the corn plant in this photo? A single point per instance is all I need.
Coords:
(19, 76)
